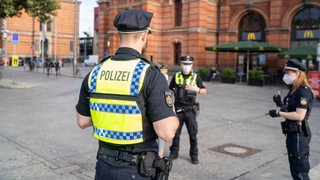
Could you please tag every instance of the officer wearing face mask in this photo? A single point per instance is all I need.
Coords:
(186, 85)
(296, 109)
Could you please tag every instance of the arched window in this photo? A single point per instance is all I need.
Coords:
(308, 18)
(178, 12)
(251, 27)
(306, 27)
(305, 31)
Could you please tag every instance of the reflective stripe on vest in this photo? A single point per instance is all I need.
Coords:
(117, 120)
(191, 80)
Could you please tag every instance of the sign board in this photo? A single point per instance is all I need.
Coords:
(314, 80)
(15, 38)
(15, 62)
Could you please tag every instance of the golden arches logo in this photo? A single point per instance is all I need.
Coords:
(308, 34)
(251, 36)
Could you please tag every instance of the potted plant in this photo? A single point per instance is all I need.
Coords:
(228, 75)
(204, 73)
(256, 78)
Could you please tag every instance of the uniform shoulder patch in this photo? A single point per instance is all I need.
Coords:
(168, 98)
(303, 101)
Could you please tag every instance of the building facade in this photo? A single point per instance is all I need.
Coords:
(181, 27)
(55, 38)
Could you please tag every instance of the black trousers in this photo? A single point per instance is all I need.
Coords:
(189, 118)
(298, 155)
(107, 168)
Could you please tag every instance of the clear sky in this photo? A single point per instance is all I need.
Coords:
(87, 16)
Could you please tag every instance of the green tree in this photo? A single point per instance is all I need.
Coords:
(41, 9)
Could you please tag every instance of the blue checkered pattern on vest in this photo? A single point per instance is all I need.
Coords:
(115, 108)
(134, 88)
(118, 135)
(93, 81)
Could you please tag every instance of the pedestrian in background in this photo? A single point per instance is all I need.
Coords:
(186, 85)
(296, 110)
(48, 66)
(57, 68)
(164, 69)
(125, 98)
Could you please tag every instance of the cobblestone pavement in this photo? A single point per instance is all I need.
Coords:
(39, 137)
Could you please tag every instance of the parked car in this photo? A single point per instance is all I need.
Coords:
(91, 60)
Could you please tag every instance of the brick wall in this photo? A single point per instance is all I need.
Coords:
(199, 27)
(28, 28)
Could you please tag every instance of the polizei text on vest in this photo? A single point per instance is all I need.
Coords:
(115, 75)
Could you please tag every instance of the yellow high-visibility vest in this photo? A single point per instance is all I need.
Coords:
(114, 91)
(191, 80)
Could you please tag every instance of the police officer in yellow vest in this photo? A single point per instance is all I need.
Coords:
(127, 101)
(186, 85)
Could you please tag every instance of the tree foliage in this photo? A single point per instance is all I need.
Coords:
(41, 9)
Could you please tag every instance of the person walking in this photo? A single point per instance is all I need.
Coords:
(48, 66)
(186, 85)
(57, 68)
(296, 110)
(125, 98)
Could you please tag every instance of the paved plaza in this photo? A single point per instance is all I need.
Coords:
(39, 137)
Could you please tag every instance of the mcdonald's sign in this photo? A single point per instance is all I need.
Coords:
(251, 36)
(256, 36)
(308, 34)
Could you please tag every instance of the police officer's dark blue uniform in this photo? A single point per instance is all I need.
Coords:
(116, 161)
(296, 109)
(186, 108)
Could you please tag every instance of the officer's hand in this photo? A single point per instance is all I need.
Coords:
(277, 100)
(274, 113)
(193, 88)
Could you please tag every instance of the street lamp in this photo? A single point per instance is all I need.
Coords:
(75, 39)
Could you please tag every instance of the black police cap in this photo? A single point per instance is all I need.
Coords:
(133, 20)
(187, 59)
(295, 65)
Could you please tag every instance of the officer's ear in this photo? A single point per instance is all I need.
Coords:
(145, 35)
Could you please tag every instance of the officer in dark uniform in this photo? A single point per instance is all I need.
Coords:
(127, 101)
(186, 85)
(296, 109)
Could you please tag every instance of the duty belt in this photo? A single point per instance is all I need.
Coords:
(127, 157)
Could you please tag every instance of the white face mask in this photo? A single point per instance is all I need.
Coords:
(186, 69)
(288, 79)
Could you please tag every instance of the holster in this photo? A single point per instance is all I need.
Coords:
(295, 127)
(196, 107)
(305, 128)
(146, 164)
(284, 127)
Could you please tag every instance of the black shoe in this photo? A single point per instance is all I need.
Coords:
(194, 160)
(173, 157)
